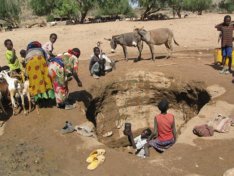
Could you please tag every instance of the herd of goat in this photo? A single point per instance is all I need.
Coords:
(13, 87)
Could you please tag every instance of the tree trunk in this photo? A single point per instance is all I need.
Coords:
(144, 15)
(199, 12)
(83, 15)
(148, 12)
(179, 12)
(173, 12)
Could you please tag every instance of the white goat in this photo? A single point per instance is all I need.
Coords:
(15, 87)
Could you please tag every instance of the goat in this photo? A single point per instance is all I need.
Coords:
(15, 87)
(1, 106)
(3, 93)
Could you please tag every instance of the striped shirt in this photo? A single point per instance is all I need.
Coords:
(227, 34)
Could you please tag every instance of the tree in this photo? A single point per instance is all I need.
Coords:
(115, 7)
(9, 11)
(66, 8)
(42, 7)
(61, 8)
(227, 5)
(197, 5)
(150, 6)
(176, 6)
(84, 7)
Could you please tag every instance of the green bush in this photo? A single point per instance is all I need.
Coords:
(227, 5)
(197, 5)
(9, 11)
(50, 18)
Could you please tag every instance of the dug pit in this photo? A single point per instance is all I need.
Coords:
(134, 98)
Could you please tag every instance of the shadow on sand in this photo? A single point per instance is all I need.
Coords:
(85, 97)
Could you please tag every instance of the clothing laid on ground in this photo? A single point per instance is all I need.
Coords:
(60, 69)
(13, 66)
(40, 85)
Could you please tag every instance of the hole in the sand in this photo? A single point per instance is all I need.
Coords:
(134, 98)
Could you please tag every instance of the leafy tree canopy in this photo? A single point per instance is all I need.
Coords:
(9, 11)
(227, 5)
(197, 5)
(115, 7)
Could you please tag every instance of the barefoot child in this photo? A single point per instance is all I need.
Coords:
(226, 36)
(12, 59)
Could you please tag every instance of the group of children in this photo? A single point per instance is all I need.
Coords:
(17, 65)
(226, 28)
(99, 62)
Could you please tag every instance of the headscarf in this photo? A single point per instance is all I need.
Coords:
(74, 51)
(34, 48)
(34, 44)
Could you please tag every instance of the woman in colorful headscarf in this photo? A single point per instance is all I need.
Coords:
(61, 70)
(40, 85)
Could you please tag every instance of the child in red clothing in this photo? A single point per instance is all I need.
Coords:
(164, 134)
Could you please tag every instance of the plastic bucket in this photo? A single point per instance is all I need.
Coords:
(218, 57)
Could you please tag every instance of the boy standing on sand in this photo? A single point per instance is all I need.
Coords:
(226, 29)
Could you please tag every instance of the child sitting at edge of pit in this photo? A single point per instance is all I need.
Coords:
(226, 29)
(12, 60)
(164, 134)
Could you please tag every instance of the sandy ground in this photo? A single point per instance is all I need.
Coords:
(32, 145)
(193, 32)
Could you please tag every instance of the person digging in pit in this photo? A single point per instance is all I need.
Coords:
(138, 142)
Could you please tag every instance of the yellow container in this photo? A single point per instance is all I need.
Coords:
(218, 57)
